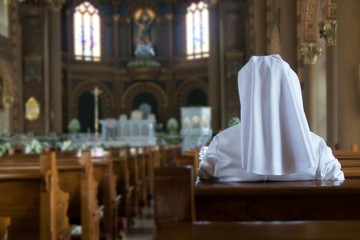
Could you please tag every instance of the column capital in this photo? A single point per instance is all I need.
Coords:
(56, 5)
(328, 31)
(169, 16)
(8, 101)
(212, 2)
(310, 52)
(116, 17)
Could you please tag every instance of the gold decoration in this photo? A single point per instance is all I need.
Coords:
(96, 93)
(328, 31)
(8, 101)
(310, 52)
(116, 17)
(56, 5)
(32, 109)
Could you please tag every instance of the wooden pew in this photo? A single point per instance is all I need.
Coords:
(174, 209)
(320, 230)
(30, 195)
(272, 201)
(188, 160)
(174, 195)
(350, 163)
(121, 169)
(141, 158)
(278, 201)
(132, 156)
(148, 155)
(4, 225)
(168, 154)
(76, 176)
(107, 194)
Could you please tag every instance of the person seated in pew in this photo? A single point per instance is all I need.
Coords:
(273, 142)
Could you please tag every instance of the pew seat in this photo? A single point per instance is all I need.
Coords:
(324, 230)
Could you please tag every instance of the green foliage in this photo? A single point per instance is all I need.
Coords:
(233, 121)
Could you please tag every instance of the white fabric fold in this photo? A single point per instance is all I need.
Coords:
(275, 136)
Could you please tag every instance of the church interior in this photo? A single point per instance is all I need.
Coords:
(104, 63)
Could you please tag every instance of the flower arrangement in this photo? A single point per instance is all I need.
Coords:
(74, 126)
(67, 146)
(4, 147)
(34, 147)
(233, 121)
(86, 146)
(118, 144)
(172, 125)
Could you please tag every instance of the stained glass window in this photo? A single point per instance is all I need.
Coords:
(87, 32)
(197, 31)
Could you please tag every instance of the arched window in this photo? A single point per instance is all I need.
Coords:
(87, 32)
(197, 31)
(4, 18)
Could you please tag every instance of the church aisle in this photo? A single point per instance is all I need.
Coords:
(144, 227)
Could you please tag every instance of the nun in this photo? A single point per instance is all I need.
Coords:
(273, 142)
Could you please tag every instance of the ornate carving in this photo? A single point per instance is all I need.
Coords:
(310, 52)
(8, 101)
(186, 87)
(328, 31)
(116, 17)
(137, 88)
(56, 5)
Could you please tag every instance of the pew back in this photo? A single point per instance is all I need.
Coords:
(173, 194)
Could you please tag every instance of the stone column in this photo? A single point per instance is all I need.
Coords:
(348, 68)
(8, 104)
(214, 77)
(169, 17)
(128, 34)
(328, 32)
(55, 68)
(310, 52)
(116, 18)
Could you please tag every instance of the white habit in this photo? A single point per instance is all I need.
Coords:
(273, 142)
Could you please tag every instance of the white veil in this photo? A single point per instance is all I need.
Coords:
(275, 136)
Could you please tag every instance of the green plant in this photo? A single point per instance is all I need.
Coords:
(74, 126)
(233, 121)
(172, 125)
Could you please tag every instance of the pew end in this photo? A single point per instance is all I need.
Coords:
(174, 195)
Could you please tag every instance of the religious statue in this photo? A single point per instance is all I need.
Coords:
(143, 19)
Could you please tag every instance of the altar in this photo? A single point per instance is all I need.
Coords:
(135, 131)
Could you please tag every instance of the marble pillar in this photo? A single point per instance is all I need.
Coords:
(214, 77)
(328, 32)
(310, 52)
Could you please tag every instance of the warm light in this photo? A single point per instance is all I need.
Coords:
(87, 44)
(197, 31)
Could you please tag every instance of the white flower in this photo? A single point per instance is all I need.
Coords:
(67, 146)
(4, 147)
(86, 145)
(34, 147)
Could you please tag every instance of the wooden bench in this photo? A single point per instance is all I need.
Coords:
(4, 225)
(107, 193)
(323, 230)
(30, 195)
(278, 201)
(221, 212)
(168, 154)
(350, 163)
(259, 201)
(133, 162)
(76, 176)
(124, 188)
